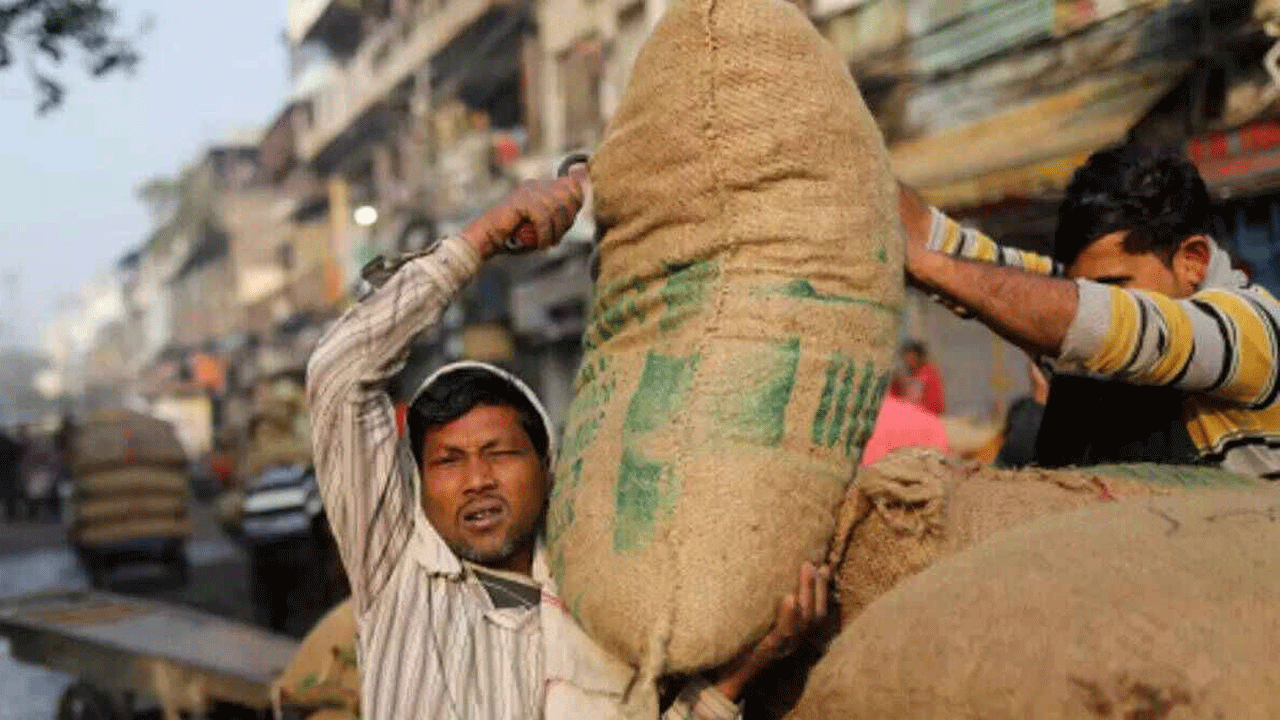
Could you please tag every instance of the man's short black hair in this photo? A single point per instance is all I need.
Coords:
(459, 392)
(917, 347)
(1156, 195)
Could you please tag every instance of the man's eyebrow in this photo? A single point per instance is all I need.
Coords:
(1112, 279)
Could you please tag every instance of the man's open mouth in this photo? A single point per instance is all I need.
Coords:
(483, 515)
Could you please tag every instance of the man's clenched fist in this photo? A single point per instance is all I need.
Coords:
(549, 207)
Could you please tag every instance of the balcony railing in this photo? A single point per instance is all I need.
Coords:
(387, 58)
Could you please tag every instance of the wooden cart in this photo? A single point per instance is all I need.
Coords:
(124, 650)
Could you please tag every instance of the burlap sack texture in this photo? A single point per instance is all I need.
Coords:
(124, 438)
(746, 310)
(322, 679)
(274, 437)
(1161, 607)
(916, 506)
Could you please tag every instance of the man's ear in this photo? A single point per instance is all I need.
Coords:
(1191, 261)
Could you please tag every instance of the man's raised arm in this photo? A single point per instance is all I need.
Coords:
(365, 476)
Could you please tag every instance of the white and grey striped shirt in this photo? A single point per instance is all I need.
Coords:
(431, 639)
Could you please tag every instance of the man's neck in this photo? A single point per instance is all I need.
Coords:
(518, 564)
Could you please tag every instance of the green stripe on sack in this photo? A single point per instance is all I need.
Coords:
(824, 401)
(685, 291)
(858, 408)
(645, 494)
(646, 490)
(846, 386)
(758, 414)
(802, 289)
(868, 410)
(664, 385)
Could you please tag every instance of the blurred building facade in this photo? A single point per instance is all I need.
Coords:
(406, 118)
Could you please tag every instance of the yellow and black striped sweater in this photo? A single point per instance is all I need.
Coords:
(1219, 346)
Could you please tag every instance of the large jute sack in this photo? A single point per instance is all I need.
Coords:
(121, 438)
(746, 309)
(1161, 607)
(323, 675)
(110, 510)
(916, 506)
(272, 452)
(127, 482)
(176, 527)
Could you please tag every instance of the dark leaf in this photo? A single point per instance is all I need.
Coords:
(50, 94)
(55, 23)
(50, 30)
(113, 61)
(50, 47)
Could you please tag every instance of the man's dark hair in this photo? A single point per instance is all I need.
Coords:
(917, 347)
(459, 392)
(1156, 195)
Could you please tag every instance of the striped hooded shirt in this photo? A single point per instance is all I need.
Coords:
(280, 504)
(437, 637)
(1219, 346)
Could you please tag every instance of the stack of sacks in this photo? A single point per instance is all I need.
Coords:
(130, 480)
(1159, 607)
(916, 506)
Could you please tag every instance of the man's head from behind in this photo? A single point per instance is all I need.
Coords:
(1136, 217)
(914, 356)
(483, 447)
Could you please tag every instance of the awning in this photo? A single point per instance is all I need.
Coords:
(1240, 161)
(1032, 150)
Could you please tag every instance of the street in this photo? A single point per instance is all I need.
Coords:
(35, 557)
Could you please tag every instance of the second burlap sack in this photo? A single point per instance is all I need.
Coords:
(745, 317)
(916, 506)
(1159, 607)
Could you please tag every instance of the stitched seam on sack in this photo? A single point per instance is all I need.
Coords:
(709, 324)
(712, 323)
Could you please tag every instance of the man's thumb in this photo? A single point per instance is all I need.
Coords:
(580, 174)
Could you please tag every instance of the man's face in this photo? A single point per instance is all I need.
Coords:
(484, 487)
(1107, 261)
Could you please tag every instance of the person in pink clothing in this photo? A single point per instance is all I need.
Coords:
(922, 383)
(903, 424)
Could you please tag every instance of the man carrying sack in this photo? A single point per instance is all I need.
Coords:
(1165, 353)
(455, 612)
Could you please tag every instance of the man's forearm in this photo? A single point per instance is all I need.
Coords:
(1031, 311)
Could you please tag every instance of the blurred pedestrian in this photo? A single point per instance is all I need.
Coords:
(921, 383)
(10, 477)
(903, 424)
(39, 470)
(1022, 426)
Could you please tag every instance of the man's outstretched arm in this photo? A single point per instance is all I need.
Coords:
(1015, 293)
(1031, 311)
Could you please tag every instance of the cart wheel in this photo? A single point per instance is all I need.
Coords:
(83, 701)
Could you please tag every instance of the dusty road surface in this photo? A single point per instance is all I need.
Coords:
(35, 557)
